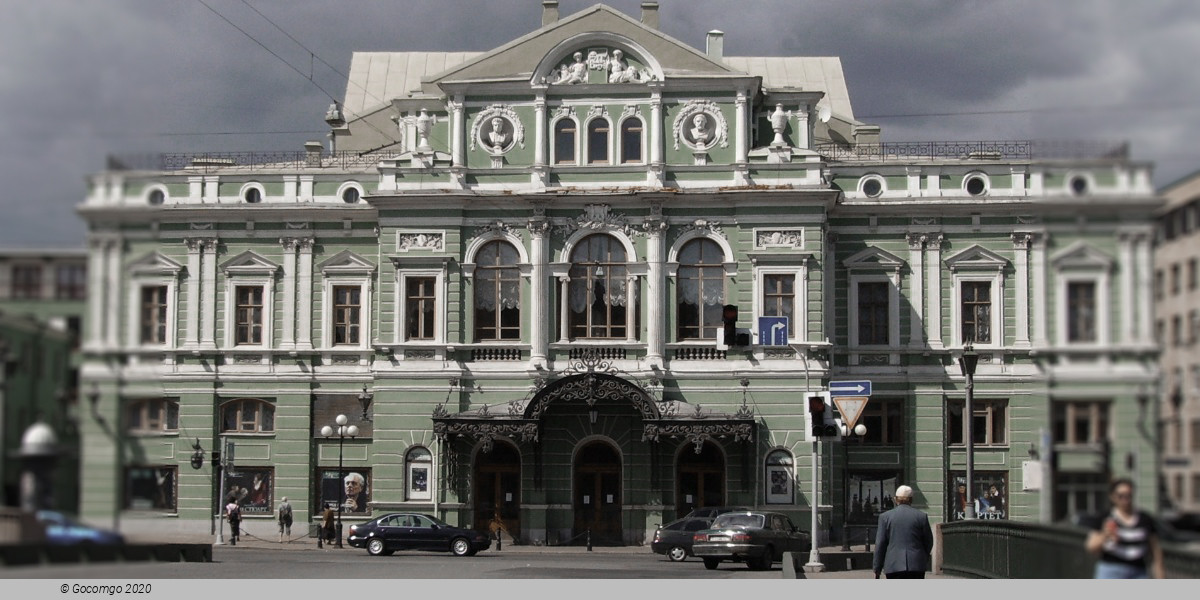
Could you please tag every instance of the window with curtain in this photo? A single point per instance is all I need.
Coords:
(497, 292)
(598, 296)
(700, 290)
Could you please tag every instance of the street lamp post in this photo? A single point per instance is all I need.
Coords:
(967, 362)
(342, 432)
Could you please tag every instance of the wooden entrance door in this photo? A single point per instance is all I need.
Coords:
(497, 490)
(597, 493)
(700, 479)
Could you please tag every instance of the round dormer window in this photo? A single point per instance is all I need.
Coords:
(156, 197)
(872, 187)
(350, 195)
(976, 185)
(1079, 185)
(252, 195)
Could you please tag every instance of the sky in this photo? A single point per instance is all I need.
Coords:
(81, 80)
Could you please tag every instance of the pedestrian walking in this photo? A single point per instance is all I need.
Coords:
(233, 512)
(328, 530)
(1127, 541)
(904, 540)
(285, 519)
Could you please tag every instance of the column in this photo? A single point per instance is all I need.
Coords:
(304, 325)
(539, 229)
(289, 293)
(208, 266)
(1125, 258)
(656, 228)
(1037, 254)
(1021, 251)
(456, 133)
(539, 129)
(1145, 301)
(96, 294)
(191, 336)
(933, 319)
(630, 305)
(916, 254)
(742, 133)
(112, 316)
(656, 117)
(802, 128)
(564, 322)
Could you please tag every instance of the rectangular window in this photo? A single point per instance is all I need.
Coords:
(347, 307)
(598, 142)
(1175, 279)
(779, 299)
(977, 312)
(872, 313)
(1196, 487)
(150, 488)
(1192, 274)
(1080, 423)
(631, 141)
(155, 415)
(989, 426)
(419, 302)
(70, 282)
(884, 420)
(1081, 311)
(26, 282)
(153, 318)
(564, 142)
(1158, 284)
(248, 326)
(1195, 436)
(1079, 494)
(1193, 327)
(1177, 330)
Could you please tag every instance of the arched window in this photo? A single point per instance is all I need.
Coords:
(418, 467)
(153, 415)
(497, 292)
(597, 150)
(779, 477)
(700, 291)
(631, 141)
(247, 415)
(564, 142)
(598, 295)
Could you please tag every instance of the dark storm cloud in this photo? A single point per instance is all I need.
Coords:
(82, 79)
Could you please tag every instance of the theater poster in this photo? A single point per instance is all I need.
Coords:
(989, 494)
(870, 493)
(352, 487)
(252, 487)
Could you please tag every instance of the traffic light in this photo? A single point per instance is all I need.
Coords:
(820, 412)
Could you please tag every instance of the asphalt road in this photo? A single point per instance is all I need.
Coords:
(266, 563)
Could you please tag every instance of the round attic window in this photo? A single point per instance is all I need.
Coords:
(872, 187)
(156, 197)
(252, 195)
(1079, 185)
(350, 195)
(976, 185)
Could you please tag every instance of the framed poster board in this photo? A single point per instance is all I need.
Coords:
(989, 494)
(869, 493)
(253, 488)
(352, 486)
(780, 484)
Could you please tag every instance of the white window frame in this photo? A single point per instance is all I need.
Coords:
(987, 184)
(250, 269)
(799, 300)
(977, 264)
(150, 189)
(346, 269)
(586, 160)
(554, 141)
(620, 142)
(523, 266)
(431, 481)
(874, 265)
(862, 182)
(249, 185)
(152, 271)
(347, 185)
(439, 288)
(1081, 263)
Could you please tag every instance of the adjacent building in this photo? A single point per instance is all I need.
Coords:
(1177, 302)
(513, 273)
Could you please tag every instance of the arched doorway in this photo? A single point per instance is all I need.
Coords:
(597, 492)
(498, 489)
(699, 478)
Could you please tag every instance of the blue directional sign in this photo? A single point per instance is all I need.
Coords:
(850, 388)
(773, 331)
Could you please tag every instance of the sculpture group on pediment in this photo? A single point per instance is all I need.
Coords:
(614, 64)
(575, 72)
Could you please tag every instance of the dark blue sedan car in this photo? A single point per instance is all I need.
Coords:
(61, 530)
(414, 531)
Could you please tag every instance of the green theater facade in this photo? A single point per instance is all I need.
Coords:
(511, 273)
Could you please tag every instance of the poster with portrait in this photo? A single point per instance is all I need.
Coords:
(989, 494)
(870, 493)
(351, 486)
(252, 487)
(150, 488)
(779, 484)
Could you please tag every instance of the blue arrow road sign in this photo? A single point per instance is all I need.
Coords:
(772, 331)
(850, 388)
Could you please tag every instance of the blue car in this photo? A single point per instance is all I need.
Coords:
(61, 530)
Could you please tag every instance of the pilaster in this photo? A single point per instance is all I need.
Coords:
(304, 325)
(933, 322)
(1021, 242)
(916, 256)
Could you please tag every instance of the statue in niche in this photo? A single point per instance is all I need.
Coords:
(779, 120)
(497, 139)
(699, 131)
(575, 73)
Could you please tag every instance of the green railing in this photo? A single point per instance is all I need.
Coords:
(1013, 550)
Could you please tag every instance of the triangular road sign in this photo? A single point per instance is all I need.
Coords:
(851, 408)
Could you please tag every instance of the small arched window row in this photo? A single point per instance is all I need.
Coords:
(152, 415)
(247, 415)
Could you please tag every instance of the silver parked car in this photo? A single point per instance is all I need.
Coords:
(756, 538)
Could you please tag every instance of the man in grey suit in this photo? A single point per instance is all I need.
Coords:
(904, 540)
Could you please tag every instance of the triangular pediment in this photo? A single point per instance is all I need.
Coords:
(346, 263)
(249, 263)
(976, 258)
(154, 263)
(1081, 255)
(598, 26)
(873, 258)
